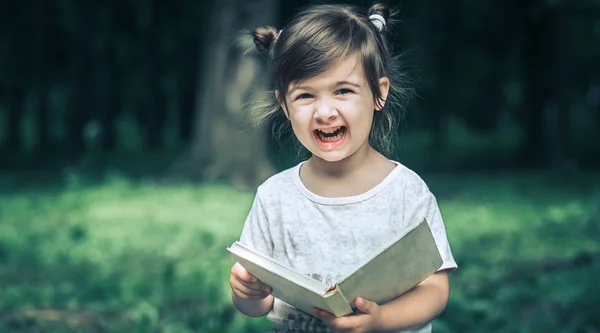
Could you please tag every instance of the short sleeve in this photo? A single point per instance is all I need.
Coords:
(421, 203)
(255, 233)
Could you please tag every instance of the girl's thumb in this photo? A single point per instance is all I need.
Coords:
(242, 273)
(364, 305)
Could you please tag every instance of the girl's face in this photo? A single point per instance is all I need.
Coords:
(332, 113)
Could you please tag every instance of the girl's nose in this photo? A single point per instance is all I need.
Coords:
(324, 112)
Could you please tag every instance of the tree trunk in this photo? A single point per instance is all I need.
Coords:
(187, 93)
(15, 98)
(14, 76)
(446, 61)
(107, 83)
(151, 111)
(81, 86)
(224, 146)
(42, 82)
(562, 78)
(188, 58)
(42, 115)
(535, 63)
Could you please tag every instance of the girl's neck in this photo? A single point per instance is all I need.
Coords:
(354, 175)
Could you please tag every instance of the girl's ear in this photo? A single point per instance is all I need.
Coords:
(283, 106)
(384, 88)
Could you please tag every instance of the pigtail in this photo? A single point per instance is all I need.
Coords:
(379, 14)
(264, 38)
(381, 9)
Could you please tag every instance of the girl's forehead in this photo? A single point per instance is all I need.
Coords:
(348, 69)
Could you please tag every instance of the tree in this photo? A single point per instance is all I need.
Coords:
(535, 48)
(562, 85)
(223, 145)
(151, 104)
(12, 81)
(446, 25)
(41, 84)
(186, 57)
(107, 77)
(80, 86)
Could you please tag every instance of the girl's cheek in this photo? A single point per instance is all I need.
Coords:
(304, 109)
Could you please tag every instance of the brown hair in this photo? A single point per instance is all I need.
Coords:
(311, 43)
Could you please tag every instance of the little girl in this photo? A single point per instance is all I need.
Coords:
(336, 85)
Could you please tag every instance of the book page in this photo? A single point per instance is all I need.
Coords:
(401, 265)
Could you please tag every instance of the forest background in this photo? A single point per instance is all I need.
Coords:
(127, 164)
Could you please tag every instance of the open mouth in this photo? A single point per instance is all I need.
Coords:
(330, 135)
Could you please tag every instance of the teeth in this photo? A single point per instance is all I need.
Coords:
(329, 131)
(325, 138)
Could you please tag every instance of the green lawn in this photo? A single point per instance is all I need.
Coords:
(122, 256)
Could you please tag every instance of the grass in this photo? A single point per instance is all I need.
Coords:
(125, 256)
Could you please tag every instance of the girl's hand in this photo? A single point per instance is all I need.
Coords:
(245, 285)
(366, 321)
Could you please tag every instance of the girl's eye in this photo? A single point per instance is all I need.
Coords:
(304, 96)
(344, 91)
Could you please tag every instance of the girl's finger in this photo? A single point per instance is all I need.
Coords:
(248, 279)
(242, 274)
(245, 296)
(259, 286)
(247, 293)
(239, 284)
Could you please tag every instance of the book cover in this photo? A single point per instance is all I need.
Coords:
(399, 266)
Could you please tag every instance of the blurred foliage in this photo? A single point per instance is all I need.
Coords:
(124, 256)
(516, 77)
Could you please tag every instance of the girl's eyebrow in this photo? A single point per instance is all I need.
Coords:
(296, 88)
(354, 84)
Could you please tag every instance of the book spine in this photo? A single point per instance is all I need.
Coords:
(338, 305)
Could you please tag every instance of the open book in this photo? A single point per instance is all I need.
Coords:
(399, 266)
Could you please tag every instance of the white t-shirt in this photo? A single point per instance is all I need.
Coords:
(326, 238)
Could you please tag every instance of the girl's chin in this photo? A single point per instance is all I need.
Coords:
(330, 156)
(336, 155)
